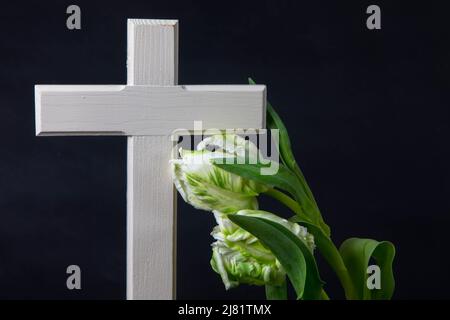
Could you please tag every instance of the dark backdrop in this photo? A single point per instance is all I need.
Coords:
(368, 113)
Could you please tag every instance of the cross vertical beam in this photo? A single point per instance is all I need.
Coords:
(151, 200)
(148, 110)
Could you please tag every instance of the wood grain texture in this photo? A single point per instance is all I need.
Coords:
(151, 200)
(151, 220)
(152, 52)
(146, 110)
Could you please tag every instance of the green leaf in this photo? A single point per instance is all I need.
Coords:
(284, 179)
(314, 283)
(287, 156)
(295, 257)
(276, 292)
(274, 122)
(322, 241)
(330, 253)
(357, 253)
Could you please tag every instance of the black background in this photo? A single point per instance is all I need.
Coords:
(368, 114)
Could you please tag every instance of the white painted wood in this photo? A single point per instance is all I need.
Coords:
(151, 220)
(146, 110)
(152, 52)
(151, 200)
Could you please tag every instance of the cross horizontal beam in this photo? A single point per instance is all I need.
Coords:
(145, 110)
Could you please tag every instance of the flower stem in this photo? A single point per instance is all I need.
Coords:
(326, 248)
(324, 295)
(286, 200)
(334, 259)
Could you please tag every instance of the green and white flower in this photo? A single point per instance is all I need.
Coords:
(232, 144)
(239, 257)
(208, 187)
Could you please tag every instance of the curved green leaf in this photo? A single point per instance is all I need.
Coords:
(314, 283)
(356, 254)
(274, 122)
(323, 242)
(276, 292)
(284, 179)
(295, 257)
(330, 253)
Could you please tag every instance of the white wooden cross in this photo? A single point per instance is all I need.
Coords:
(147, 110)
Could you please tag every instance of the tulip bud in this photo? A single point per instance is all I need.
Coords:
(233, 145)
(239, 257)
(208, 187)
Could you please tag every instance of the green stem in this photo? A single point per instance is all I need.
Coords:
(301, 177)
(286, 200)
(324, 244)
(334, 259)
(324, 295)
